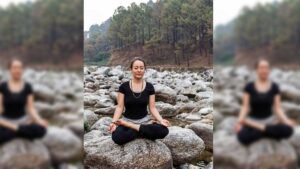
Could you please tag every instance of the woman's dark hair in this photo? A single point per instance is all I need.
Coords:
(258, 62)
(11, 61)
(137, 59)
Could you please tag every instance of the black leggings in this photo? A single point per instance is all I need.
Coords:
(248, 135)
(153, 131)
(28, 131)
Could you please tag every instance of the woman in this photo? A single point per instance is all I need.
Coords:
(18, 117)
(262, 97)
(135, 95)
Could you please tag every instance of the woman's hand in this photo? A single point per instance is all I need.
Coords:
(43, 122)
(112, 127)
(291, 123)
(238, 126)
(165, 122)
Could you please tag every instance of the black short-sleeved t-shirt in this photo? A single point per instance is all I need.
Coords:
(136, 108)
(261, 103)
(14, 103)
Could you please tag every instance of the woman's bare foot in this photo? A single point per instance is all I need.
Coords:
(128, 124)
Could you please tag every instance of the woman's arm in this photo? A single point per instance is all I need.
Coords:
(1, 103)
(120, 107)
(282, 116)
(244, 109)
(155, 113)
(118, 112)
(33, 112)
(5, 123)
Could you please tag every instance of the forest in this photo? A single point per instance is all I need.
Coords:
(42, 31)
(170, 30)
(270, 30)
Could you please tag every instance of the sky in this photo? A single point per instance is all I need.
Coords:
(5, 3)
(97, 11)
(225, 11)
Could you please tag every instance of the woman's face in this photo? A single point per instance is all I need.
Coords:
(16, 69)
(263, 70)
(138, 69)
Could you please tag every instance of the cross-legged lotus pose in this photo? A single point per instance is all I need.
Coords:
(136, 95)
(18, 117)
(263, 98)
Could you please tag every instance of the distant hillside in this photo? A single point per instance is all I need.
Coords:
(168, 32)
(162, 56)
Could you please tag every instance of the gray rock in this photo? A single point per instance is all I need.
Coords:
(63, 145)
(184, 144)
(102, 125)
(24, 154)
(101, 152)
(263, 154)
(205, 132)
(165, 94)
(166, 110)
(89, 117)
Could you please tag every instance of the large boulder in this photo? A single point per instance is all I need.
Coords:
(102, 125)
(165, 94)
(295, 141)
(90, 118)
(184, 144)
(101, 152)
(205, 132)
(263, 154)
(166, 110)
(24, 154)
(63, 145)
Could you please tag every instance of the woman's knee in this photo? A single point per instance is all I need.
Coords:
(243, 138)
(40, 131)
(6, 135)
(31, 131)
(122, 135)
(286, 131)
(163, 131)
(117, 138)
(248, 135)
(279, 131)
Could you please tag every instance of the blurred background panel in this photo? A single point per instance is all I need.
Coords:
(45, 33)
(259, 29)
(245, 31)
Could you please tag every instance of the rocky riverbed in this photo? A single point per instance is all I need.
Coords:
(59, 99)
(264, 154)
(185, 98)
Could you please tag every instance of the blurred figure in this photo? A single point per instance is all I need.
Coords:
(18, 116)
(266, 118)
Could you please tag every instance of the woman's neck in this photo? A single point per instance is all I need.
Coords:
(12, 80)
(135, 80)
(262, 81)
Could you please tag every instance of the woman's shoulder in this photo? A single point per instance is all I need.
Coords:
(126, 83)
(249, 86)
(275, 87)
(149, 84)
(3, 85)
(28, 87)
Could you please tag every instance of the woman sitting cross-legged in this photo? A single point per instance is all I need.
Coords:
(136, 95)
(18, 116)
(262, 98)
